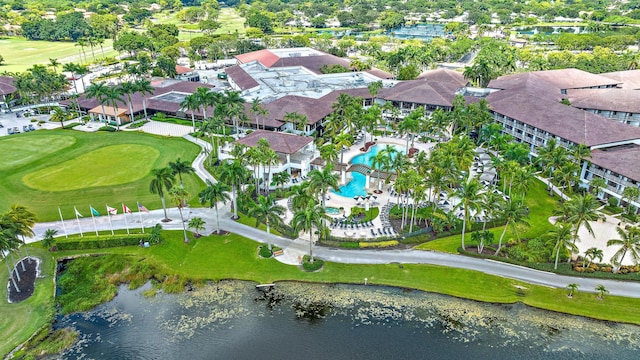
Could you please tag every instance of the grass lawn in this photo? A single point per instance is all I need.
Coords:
(20, 54)
(235, 257)
(19, 321)
(541, 206)
(230, 22)
(66, 168)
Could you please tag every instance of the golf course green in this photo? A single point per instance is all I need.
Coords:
(44, 170)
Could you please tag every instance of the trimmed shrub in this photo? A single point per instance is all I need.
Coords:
(265, 252)
(378, 244)
(101, 242)
(107, 128)
(311, 266)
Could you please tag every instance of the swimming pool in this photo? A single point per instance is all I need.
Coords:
(355, 187)
(332, 210)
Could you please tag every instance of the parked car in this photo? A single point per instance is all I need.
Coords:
(10, 131)
(25, 128)
(16, 130)
(31, 127)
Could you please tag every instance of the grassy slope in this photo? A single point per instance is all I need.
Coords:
(20, 54)
(45, 203)
(540, 205)
(19, 321)
(232, 256)
(230, 23)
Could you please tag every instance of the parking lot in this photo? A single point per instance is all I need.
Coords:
(21, 121)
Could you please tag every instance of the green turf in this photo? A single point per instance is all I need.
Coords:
(235, 257)
(100, 167)
(131, 148)
(541, 207)
(20, 54)
(19, 321)
(17, 152)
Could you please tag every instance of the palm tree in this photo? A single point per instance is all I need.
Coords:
(313, 215)
(23, 221)
(48, 239)
(112, 96)
(99, 92)
(469, 195)
(212, 195)
(54, 63)
(580, 210)
(411, 124)
(342, 141)
(592, 254)
(8, 243)
(267, 212)
(178, 194)
(514, 212)
(300, 196)
(234, 107)
(59, 115)
(180, 167)
(629, 242)
(491, 201)
(197, 224)
(71, 67)
(161, 180)
(601, 291)
(203, 98)
(299, 121)
(128, 88)
(329, 153)
(561, 236)
(597, 184)
(191, 102)
(321, 181)
(143, 86)
(258, 110)
(233, 174)
(572, 288)
(281, 178)
(630, 193)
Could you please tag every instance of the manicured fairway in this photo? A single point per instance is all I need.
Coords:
(101, 167)
(20, 54)
(67, 168)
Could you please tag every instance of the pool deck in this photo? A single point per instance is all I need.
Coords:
(337, 201)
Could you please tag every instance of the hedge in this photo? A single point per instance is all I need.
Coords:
(378, 244)
(101, 242)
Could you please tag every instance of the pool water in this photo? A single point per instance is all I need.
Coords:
(356, 187)
(332, 210)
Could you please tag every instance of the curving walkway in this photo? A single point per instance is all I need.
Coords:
(294, 249)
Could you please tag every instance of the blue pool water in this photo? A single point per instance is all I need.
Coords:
(355, 187)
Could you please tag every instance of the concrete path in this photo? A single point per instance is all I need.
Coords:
(294, 249)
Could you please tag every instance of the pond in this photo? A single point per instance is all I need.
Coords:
(234, 320)
(548, 30)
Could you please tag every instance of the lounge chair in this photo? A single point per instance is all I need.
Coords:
(373, 233)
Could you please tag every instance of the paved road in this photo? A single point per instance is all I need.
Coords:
(295, 248)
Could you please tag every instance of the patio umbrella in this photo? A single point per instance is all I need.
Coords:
(374, 197)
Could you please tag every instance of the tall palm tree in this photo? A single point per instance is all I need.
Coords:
(71, 67)
(313, 215)
(179, 167)
(267, 212)
(98, 91)
(212, 195)
(514, 212)
(560, 235)
(329, 153)
(143, 86)
(321, 181)
(203, 98)
(112, 96)
(258, 110)
(161, 180)
(128, 88)
(630, 193)
(178, 194)
(233, 174)
(491, 202)
(629, 242)
(596, 185)
(411, 124)
(234, 107)
(300, 196)
(580, 210)
(469, 195)
(191, 102)
(299, 121)
(59, 115)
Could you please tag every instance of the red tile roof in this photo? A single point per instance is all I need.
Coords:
(314, 109)
(629, 79)
(265, 57)
(280, 142)
(240, 77)
(567, 122)
(183, 69)
(421, 91)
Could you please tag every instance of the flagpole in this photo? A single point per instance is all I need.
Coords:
(140, 215)
(109, 216)
(63, 227)
(126, 225)
(94, 219)
(78, 220)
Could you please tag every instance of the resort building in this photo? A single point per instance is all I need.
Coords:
(271, 74)
(7, 91)
(295, 153)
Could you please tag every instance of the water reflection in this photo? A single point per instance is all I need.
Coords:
(234, 320)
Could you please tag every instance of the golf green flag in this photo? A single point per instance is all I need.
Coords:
(94, 212)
